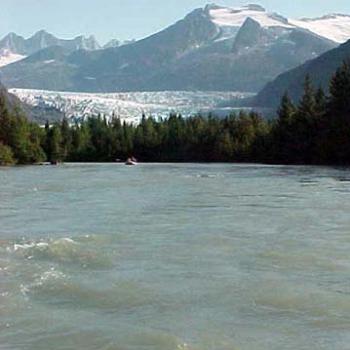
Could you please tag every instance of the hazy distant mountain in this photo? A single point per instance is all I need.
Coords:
(116, 43)
(14, 47)
(212, 48)
(42, 40)
(112, 43)
(320, 70)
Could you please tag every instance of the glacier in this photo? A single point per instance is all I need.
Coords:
(129, 106)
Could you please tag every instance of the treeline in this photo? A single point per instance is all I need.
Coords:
(315, 131)
(175, 139)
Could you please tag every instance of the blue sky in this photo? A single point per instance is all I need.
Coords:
(127, 19)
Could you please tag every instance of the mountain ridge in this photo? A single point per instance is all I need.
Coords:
(43, 39)
(320, 71)
(212, 48)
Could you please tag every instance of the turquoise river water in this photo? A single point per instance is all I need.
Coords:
(174, 257)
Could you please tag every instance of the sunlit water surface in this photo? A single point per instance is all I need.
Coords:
(169, 257)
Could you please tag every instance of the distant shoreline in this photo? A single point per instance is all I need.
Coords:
(252, 164)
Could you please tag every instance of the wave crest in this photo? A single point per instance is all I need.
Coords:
(64, 250)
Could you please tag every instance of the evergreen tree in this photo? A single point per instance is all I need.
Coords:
(339, 89)
(66, 138)
(307, 105)
(337, 143)
(284, 131)
(286, 111)
(55, 141)
(304, 125)
(320, 102)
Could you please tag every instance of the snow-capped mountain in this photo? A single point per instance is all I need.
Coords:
(213, 48)
(14, 48)
(335, 27)
(229, 20)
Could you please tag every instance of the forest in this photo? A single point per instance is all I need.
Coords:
(316, 130)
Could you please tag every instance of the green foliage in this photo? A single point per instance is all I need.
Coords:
(6, 155)
(22, 137)
(54, 151)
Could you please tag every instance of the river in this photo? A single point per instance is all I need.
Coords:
(174, 256)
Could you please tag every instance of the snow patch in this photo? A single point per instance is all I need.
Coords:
(7, 57)
(235, 17)
(49, 61)
(333, 27)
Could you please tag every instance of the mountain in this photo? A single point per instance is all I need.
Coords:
(212, 48)
(14, 48)
(8, 57)
(320, 70)
(335, 27)
(112, 43)
(116, 43)
(42, 39)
